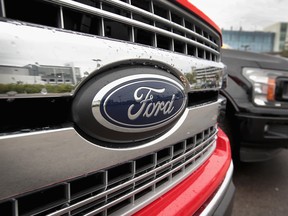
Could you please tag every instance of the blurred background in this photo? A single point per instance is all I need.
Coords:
(256, 26)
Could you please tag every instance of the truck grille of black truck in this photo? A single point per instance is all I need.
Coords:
(121, 188)
(147, 22)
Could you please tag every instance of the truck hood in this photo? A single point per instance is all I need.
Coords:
(264, 61)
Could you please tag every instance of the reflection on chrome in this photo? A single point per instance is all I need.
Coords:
(34, 78)
(207, 77)
(58, 60)
(39, 74)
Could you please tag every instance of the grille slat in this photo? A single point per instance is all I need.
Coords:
(102, 190)
(181, 33)
(109, 15)
(168, 22)
(162, 179)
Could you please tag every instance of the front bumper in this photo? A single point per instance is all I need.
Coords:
(208, 191)
(262, 137)
(263, 131)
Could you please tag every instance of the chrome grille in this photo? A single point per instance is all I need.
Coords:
(209, 76)
(207, 73)
(122, 189)
(154, 23)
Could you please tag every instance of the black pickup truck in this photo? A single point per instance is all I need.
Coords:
(256, 115)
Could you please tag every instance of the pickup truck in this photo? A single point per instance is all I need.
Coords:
(256, 116)
(105, 109)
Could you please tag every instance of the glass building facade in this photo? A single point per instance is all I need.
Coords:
(253, 41)
(281, 35)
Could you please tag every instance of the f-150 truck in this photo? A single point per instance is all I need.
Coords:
(256, 117)
(110, 108)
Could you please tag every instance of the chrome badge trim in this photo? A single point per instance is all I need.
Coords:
(129, 104)
(149, 107)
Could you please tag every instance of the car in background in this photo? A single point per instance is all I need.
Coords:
(256, 116)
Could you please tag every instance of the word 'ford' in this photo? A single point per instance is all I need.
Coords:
(139, 102)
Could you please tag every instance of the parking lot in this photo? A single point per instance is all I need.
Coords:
(262, 188)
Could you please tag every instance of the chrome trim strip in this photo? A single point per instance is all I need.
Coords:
(214, 203)
(12, 136)
(3, 8)
(61, 18)
(105, 14)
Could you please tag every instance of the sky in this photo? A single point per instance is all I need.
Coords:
(251, 15)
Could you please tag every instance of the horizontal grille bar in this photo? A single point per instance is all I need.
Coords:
(159, 19)
(173, 31)
(106, 14)
(119, 188)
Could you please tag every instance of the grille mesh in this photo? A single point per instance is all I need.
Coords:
(118, 188)
(153, 23)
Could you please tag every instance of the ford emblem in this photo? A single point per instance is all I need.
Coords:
(138, 103)
(138, 106)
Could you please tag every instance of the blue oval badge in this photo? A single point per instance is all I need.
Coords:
(139, 103)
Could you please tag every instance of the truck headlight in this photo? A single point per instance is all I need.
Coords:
(264, 85)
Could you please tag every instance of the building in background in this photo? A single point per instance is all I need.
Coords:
(280, 30)
(254, 41)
